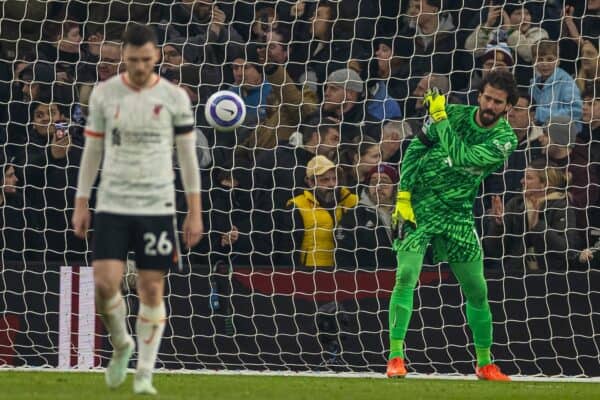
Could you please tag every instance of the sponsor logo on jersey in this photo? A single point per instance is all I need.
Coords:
(503, 147)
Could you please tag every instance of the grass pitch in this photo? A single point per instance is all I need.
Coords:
(17, 385)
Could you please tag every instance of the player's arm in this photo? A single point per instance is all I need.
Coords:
(90, 164)
(409, 171)
(492, 152)
(185, 144)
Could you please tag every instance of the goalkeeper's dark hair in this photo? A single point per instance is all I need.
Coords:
(502, 80)
(138, 35)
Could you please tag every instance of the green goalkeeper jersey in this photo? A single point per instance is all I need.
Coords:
(444, 179)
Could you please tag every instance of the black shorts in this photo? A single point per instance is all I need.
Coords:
(152, 237)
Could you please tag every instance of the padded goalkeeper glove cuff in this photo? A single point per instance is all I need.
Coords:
(436, 104)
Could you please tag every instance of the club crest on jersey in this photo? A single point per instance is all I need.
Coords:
(156, 110)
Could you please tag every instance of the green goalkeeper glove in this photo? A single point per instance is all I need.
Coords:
(436, 104)
(403, 211)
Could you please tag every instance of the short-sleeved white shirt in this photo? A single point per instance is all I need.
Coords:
(138, 127)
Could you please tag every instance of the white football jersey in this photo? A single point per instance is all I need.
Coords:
(138, 127)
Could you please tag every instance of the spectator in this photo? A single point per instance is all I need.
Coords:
(102, 63)
(12, 218)
(408, 20)
(395, 137)
(511, 24)
(277, 50)
(262, 23)
(109, 60)
(33, 81)
(297, 16)
(383, 88)
(229, 223)
(562, 147)
(520, 117)
(47, 167)
(489, 30)
(286, 107)
(364, 236)
(535, 231)
(194, 68)
(62, 43)
(553, 91)
(10, 87)
(251, 85)
(356, 159)
(36, 78)
(280, 173)
(344, 91)
(203, 23)
(414, 105)
(497, 56)
(432, 48)
(522, 33)
(322, 50)
(8, 183)
(306, 227)
(176, 51)
(577, 30)
(588, 72)
(591, 119)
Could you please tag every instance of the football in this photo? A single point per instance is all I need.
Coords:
(225, 110)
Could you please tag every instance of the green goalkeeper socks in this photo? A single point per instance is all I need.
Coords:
(484, 356)
(472, 282)
(401, 301)
(396, 348)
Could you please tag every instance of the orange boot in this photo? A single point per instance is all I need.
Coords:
(396, 368)
(490, 372)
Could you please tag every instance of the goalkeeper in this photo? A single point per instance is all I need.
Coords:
(441, 174)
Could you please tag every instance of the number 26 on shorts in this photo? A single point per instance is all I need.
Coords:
(162, 246)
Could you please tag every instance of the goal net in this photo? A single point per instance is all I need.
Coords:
(276, 285)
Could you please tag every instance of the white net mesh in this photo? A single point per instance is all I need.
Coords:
(343, 79)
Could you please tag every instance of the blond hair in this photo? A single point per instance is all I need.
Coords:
(554, 177)
(544, 48)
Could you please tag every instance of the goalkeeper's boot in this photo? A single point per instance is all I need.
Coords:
(142, 383)
(116, 372)
(491, 372)
(396, 368)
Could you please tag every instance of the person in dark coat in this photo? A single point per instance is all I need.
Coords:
(364, 235)
(12, 217)
(537, 230)
(47, 167)
(280, 173)
(345, 98)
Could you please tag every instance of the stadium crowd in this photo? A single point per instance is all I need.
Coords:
(333, 91)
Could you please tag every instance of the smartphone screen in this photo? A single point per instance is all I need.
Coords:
(61, 129)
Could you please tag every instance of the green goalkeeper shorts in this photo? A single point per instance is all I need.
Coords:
(450, 242)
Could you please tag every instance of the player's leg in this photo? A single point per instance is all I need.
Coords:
(149, 326)
(410, 253)
(156, 251)
(110, 252)
(109, 301)
(464, 245)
